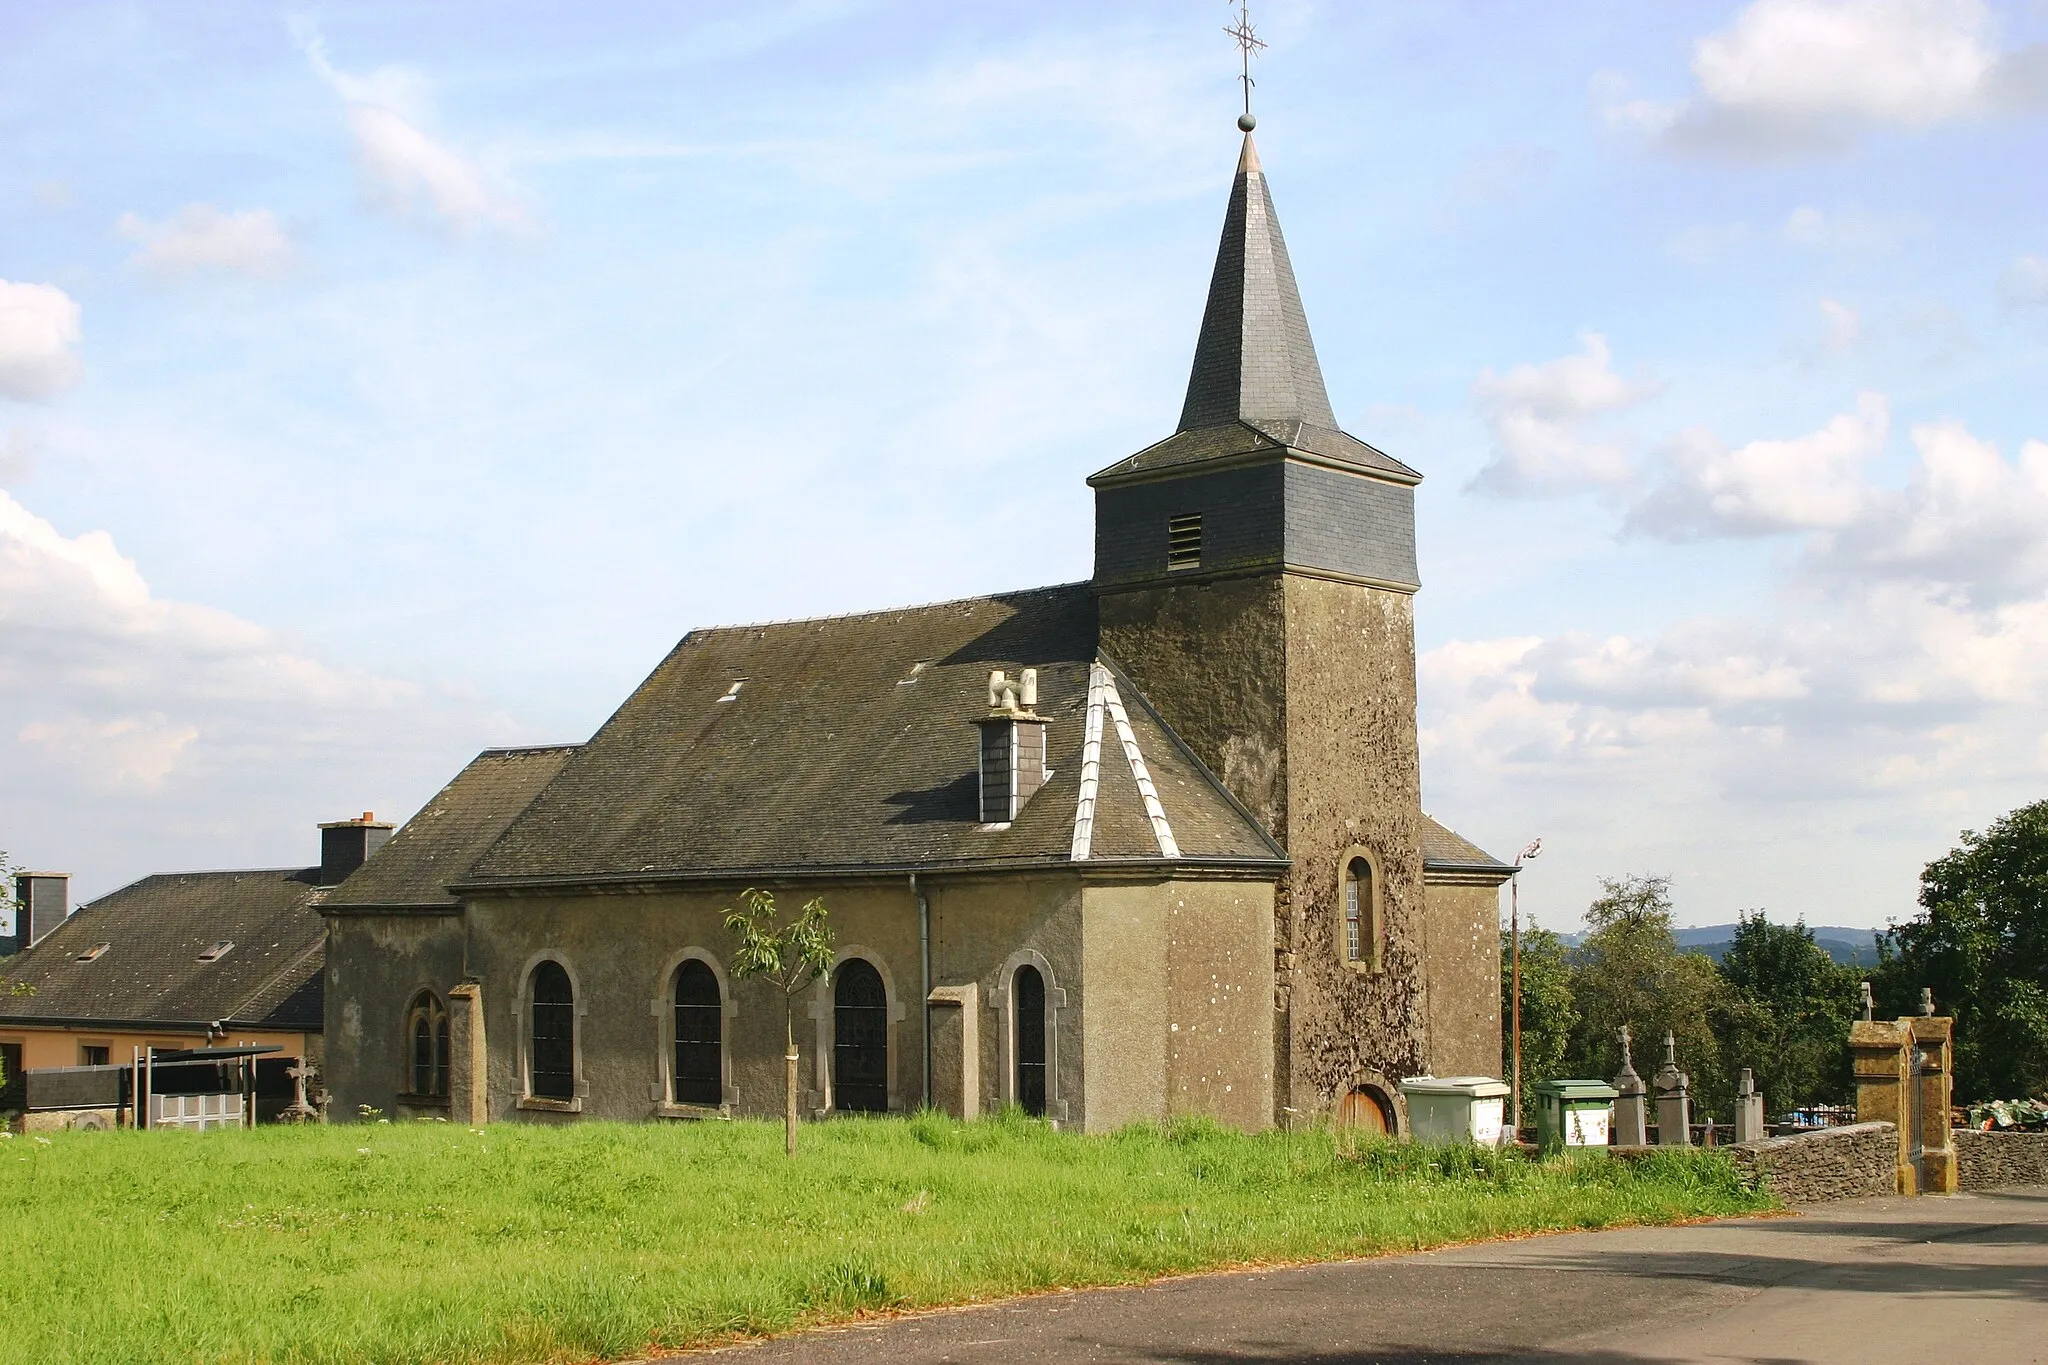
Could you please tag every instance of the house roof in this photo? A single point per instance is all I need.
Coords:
(442, 842)
(849, 743)
(150, 972)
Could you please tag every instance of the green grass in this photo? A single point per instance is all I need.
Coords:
(427, 1241)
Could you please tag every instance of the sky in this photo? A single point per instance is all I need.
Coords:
(380, 382)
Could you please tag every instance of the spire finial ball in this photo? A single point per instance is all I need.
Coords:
(1246, 122)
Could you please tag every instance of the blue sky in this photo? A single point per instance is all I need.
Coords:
(382, 381)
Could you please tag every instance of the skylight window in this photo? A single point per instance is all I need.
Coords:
(733, 692)
(217, 950)
(94, 953)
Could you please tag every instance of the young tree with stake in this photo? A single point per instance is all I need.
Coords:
(792, 958)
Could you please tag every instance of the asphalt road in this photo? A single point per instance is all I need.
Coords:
(1908, 1280)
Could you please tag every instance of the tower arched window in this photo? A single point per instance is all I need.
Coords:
(426, 1046)
(699, 1036)
(1360, 910)
(1028, 1012)
(860, 1039)
(551, 1055)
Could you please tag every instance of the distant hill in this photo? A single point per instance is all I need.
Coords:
(1847, 945)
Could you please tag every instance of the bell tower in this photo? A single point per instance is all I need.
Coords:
(1255, 573)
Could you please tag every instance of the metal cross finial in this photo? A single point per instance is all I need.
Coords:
(1247, 43)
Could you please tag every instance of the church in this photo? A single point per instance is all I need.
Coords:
(1113, 851)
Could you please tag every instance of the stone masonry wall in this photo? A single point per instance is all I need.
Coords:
(1986, 1161)
(1852, 1162)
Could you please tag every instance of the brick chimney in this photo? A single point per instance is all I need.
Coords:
(42, 902)
(346, 845)
(1012, 746)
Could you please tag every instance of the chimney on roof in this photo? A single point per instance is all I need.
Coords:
(1012, 746)
(346, 845)
(42, 901)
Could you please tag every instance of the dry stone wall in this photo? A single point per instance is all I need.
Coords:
(1851, 1162)
(1986, 1161)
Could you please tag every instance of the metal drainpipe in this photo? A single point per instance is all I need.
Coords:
(924, 957)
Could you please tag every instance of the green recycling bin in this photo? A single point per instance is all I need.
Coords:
(1573, 1114)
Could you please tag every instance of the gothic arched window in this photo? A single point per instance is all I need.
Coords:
(860, 1039)
(1028, 1010)
(551, 1056)
(700, 1019)
(426, 1046)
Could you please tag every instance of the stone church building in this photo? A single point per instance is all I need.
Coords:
(1147, 845)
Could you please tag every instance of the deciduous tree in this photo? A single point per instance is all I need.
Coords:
(792, 957)
(1980, 943)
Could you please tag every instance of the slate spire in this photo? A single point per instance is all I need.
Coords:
(1254, 361)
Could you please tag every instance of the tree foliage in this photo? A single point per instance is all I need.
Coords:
(1789, 1011)
(1549, 1014)
(1980, 943)
(1629, 970)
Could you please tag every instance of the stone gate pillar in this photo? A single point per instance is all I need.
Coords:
(1934, 1084)
(469, 1085)
(1881, 1050)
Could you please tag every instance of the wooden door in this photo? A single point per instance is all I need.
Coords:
(1362, 1111)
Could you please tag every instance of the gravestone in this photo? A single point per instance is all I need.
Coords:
(1631, 1103)
(1674, 1099)
(1749, 1110)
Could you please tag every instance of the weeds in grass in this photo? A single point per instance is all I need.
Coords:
(406, 1242)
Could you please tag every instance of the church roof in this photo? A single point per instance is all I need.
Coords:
(1444, 850)
(847, 744)
(1256, 384)
(443, 841)
(155, 967)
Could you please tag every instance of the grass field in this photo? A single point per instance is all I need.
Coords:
(525, 1243)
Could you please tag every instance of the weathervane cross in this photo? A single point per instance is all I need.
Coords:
(1248, 42)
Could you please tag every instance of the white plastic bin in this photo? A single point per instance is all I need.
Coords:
(1457, 1109)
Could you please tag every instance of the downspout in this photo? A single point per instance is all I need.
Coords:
(924, 996)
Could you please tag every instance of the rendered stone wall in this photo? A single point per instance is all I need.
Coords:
(376, 964)
(1462, 950)
(1353, 779)
(1300, 693)
(1988, 1161)
(1852, 1162)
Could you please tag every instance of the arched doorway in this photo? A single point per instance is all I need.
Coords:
(860, 1039)
(1028, 1008)
(1364, 1110)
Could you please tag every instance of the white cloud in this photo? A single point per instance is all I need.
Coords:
(2025, 283)
(1539, 415)
(1705, 243)
(1841, 325)
(199, 238)
(1967, 522)
(1849, 231)
(123, 699)
(404, 169)
(1792, 76)
(38, 340)
(1766, 487)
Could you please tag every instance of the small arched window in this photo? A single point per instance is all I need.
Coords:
(860, 1039)
(700, 1019)
(1028, 1009)
(426, 1046)
(1358, 917)
(552, 1054)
